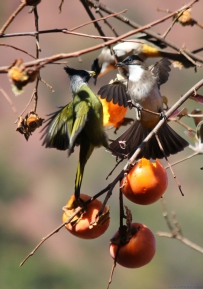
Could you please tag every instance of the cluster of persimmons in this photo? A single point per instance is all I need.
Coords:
(133, 245)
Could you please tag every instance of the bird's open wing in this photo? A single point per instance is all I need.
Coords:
(82, 110)
(161, 70)
(116, 92)
(57, 131)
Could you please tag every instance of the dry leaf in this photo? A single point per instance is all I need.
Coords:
(185, 19)
(20, 76)
(29, 124)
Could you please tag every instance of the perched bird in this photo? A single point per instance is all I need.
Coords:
(78, 123)
(145, 47)
(114, 113)
(143, 89)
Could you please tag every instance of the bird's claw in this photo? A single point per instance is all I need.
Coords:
(162, 115)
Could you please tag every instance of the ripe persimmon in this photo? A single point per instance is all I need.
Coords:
(85, 225)
(134, 249)
(145, 183)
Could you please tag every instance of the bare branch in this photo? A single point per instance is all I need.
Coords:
(100, 19)
(8, 99)
(60, 6)
(11, 18)
(173, 23)
(54, 58)
(49, 235)
(175, 231)
(89, 12)
(148, 32)
(19, 49)
(107, 23)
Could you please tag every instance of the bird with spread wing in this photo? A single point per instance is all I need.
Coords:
(142, 88)
(79, 123)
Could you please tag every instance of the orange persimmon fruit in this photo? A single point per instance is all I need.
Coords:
(85, 224)
(138, 249)
(145, 183)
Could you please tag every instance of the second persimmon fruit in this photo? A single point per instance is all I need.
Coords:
(145, 183)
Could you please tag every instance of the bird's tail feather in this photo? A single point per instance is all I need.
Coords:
(130, 140)
(178, 58)
(86, 150)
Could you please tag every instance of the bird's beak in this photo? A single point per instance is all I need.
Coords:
(119, 64)
(95, 79)
(92, 73)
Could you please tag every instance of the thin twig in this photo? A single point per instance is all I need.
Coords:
(175, 231)
(50, 234)
(184, 125)
(132, 24)
(35, 93)
(32, 96)
(172, 172)
(38, 49)
(108, 24)
(173, 23)
(19, 49)
(11, 18)
(116, 165)
(89, 12)
(47, 85)
(58, 30)
(99, 19)
(60, 6)
(186, 54)
(57, 57)
(182, 160)
(108, 188)
(8, 99)
(111, 274)
(193, 21)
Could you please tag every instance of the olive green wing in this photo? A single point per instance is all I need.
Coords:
(82, 111)
(57, 131)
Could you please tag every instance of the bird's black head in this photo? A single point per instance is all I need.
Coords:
(97, 68)
(84, 74)
(131, 60)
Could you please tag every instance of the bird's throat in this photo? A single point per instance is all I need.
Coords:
(135, 72)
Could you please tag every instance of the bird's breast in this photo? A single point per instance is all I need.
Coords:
(148, 96)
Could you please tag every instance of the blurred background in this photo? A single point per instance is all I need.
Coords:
(35, 183)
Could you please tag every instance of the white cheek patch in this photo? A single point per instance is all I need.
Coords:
(135, 72)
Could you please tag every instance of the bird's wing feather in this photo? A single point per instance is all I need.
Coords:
(57, 131)
(82, 112)
(115, 92)
(161, 70)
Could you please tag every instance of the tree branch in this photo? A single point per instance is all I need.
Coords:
(148, 32)
(175, 231)
(51, 59)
